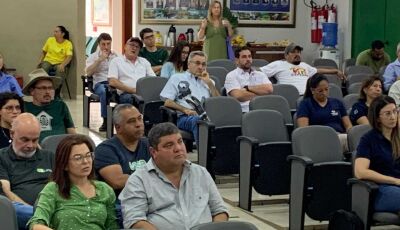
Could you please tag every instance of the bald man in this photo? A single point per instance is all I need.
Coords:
(24, 168)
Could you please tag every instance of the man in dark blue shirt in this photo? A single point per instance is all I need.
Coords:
(128, 150)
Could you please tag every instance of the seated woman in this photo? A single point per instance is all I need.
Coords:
(8, 83)
(177, 61)
(10, 107)
(378, 154)
(371, 88)
(317, 108)
(73, 199)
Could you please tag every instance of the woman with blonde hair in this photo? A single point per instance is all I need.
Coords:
(214, 31)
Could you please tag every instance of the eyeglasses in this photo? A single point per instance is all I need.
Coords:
(199, 63)
(79, 157)
(44, 88)
(11, 108)
(389, 114)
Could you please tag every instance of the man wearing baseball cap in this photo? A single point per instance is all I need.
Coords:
(124, 71)
(53, 115)
(293, 71)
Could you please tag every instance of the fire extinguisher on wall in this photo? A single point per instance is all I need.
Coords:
(332, 14)
(322, 17)
(314, 25)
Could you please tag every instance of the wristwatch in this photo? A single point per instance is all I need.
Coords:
(246, 87)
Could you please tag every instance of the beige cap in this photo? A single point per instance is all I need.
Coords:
(40, 74)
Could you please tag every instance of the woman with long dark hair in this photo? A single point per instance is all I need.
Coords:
(73, 199)
(177, 61)
(371, 88)
(378, 154)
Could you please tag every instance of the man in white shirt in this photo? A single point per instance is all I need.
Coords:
(293, 71)
(97, 66)
(124, 71)
(244, 83)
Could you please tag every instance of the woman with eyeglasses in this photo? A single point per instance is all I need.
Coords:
(177, 61)
(73, 199)
(371, 88)
(317, 108)
(378, 154)
(10, 107)
(8, 83)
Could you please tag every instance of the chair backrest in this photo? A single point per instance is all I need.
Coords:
(319, 143)
(324, 62)
(217, 82)
(333, 79)
(218, 72)
(265, 125)
(227, 225)
(91, 46)
(289, 92)
(357, 78)
(358, 69)
(354, 88)
(223, 111)
(260, 62)
(149, 88)
(354, 135)
(51, 142)
(348, 62)
(335, 91)
(226, 63)
(8, 217)
(350, 99)
(273, 102)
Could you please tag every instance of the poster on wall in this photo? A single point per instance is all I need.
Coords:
(172, 11)
(264, 13)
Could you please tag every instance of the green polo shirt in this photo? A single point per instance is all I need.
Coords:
(365, 58)
(27, 177)
(155, 58)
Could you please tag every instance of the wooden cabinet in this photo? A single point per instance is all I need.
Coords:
(269, 53)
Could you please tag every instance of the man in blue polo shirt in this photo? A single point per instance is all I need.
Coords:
(195, 82)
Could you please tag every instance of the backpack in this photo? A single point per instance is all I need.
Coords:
(345, 220)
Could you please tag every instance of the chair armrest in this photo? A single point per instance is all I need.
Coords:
(302, 159)
(168, 114)
(137, 100)
(112, 95)
(208, 124)
(369, 185)
(253, 141)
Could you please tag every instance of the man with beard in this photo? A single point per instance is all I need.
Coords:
(124, 71)
(128, 150)
(293, 71)
(24, 168)
(375, 58)
(53, 115)
(244, 83)
(170, 192)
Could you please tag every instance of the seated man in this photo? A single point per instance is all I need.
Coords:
(245, 83)
(293, 71)
(170, 192)
(392, 71)
(183, 87)
(128, 150)
(24, 167)
(97, 66)
(53, 115)
(376, 57)
(124, 71)
(156, 56)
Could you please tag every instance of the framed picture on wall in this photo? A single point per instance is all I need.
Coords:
(172, 11)
(264, 13)
(101, 12)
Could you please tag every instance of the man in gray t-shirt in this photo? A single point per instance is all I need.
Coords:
(170, 192)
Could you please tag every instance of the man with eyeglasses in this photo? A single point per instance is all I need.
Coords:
(24, 168)
(124, 71)
(183, 87)
(156, 56)
(53, 114)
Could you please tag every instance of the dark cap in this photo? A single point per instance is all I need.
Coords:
(292, 47)
(135, 39)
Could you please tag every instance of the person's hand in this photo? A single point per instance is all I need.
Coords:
(189, 112)
(341, 75)
(104, 55)
(225, 23)
(205, 77)
(203, 24)
(61, 68)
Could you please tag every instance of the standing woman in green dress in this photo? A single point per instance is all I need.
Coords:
(214, 32)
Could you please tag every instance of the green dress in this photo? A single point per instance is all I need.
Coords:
(214, 44)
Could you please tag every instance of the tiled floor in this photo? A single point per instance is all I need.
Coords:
(267, 212)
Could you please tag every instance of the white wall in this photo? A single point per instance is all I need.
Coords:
(301, 34)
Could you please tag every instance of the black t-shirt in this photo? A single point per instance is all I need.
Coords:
(27, 177)
(4, 137)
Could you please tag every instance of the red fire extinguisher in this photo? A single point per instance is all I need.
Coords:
(332, 14)
(322, 17)
(314, 25)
